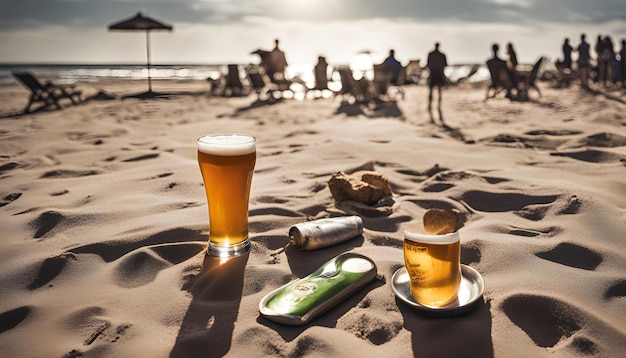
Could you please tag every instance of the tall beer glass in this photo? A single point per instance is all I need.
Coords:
(433, 263)
(227, 163)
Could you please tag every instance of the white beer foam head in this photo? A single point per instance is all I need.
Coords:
(227, 144)
(432, 239)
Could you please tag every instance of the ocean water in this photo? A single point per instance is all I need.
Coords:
(71, 72)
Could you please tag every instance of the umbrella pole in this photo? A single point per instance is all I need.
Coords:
(148, 53)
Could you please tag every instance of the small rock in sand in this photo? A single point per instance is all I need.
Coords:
(366, 187)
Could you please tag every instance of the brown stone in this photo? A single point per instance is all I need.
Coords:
(366, 187)
(440, 221)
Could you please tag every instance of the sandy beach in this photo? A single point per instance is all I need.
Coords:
(103, 223)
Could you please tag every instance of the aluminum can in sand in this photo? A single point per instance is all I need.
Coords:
(317, 234)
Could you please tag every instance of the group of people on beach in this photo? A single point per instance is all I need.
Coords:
(610, 65)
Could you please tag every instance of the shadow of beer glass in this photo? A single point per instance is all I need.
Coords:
(461, 336)
(208, 324)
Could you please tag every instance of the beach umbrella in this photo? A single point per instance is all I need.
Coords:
(141, 23)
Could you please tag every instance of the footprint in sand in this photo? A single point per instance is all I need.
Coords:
(8, 166)
(66, 173)
(502, 202)
(375, 327)
(571, 207)
(471, 252)
(573, 256)
(386, 241)
(10, 319)
(91, 325)
(46, 222)
(550, 231)
(9, 199)
(556, 133)
(50, 269)
(592, 156)
(141, 157)
(545, 320)
(446, 179)
(616, 290)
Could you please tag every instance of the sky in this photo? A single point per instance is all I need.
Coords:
(227, 31)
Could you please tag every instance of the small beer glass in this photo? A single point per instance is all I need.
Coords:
(433, 263)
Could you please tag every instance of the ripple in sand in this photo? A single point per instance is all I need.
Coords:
(555, 132)
(269, 200)
(591, 156)
(604, 139)
(142, 266)
(8, 166)
(141, 157)
(66, 173)
(113, 250)
(572, 255)
(9, 199)
(10, 319)
(276, 211)
(502, 202)
(138, 269)
(546, 320)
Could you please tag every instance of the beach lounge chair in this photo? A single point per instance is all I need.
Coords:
(395, 89)
(413, 72)
(259, 82)
(381, 81)
(233, 85)
(564, 77)
(501, 79)
(48, 94)
(527, 81)
(321, 83)
(359, 91)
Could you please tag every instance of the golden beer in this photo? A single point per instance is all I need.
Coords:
(433, 263)
(227, 164)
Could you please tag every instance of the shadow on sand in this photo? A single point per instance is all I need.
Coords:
(372, 109)
(208, 325)
(466, 335)
(454, 132)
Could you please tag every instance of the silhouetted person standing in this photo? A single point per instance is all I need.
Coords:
(278, 63)
(501, 75)
(583, 60)
(393, 65)
(622, 55)
(608, 56)
(436, 64)
(567, 54)
(321, 73)
(512, 57)
(602, 63)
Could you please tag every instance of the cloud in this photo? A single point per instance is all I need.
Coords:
(82, 13)
(223, 31)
